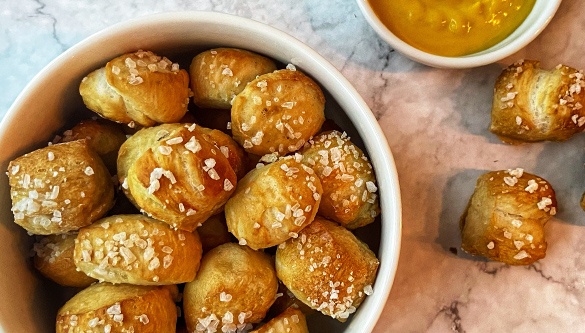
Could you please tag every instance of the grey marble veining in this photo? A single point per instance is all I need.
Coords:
(436, 123)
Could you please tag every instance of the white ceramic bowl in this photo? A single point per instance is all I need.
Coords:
(51, 102)
(537, 20)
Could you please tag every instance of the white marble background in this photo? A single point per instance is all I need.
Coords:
(436, 123)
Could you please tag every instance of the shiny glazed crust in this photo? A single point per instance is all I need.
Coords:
(104, 307)
(175, 175)
(349, 183)
(229, 148)
(277, 112)
(54, 259)
(505, 217)
(531, 104)
(273, 203)
(138, 250)
(59, 188)
(292, 320)
(327, 268)
(139, 87)
(235, 286)
(218, 75)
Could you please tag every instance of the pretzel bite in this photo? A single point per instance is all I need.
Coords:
(277, 112)
(327, 268)
(214, 232)
(175, 175)
(229, 148)
(138, 87)
(292, 320)
(349, 183)
(218, 75)
(273, 203)
(104, 307)
(102, 136)
(138, 250)
(505, 217)
(59, 188)
(54, 259)
(531, 104)
(235, 286)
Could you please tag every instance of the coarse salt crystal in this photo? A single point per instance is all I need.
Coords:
(165, 150)
(517, 223)
(532, 186)
(368, 290)
(175, 140)
(518, 172)
(510, 181)
(521, 255)
(227, 185)
(193, 145)
(225, 297)
(88, 171)
(544, 202)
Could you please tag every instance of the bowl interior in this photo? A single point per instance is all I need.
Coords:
(537, 20)
(51, 102)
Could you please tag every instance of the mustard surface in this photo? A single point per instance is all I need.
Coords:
(452, 27)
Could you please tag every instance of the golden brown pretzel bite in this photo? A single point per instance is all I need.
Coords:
(531, 104)
(218, 75)
(327, 268)
(59, 188)
(138, 250)
(505, 217)
(104, 307)
(138, 87)
(235, 286)
(277, 112)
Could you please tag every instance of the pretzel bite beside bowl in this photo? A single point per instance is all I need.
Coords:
(327, 268)
(104, 307)
(138, 87)
(532, 104)
(218, 75)
(138, 250)
(349, 183)
(235, 286)
(277, 112)
(175, 175)
(505, 217)
(273, 203)
(59, 188)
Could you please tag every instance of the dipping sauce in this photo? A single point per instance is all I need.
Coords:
(452, 28)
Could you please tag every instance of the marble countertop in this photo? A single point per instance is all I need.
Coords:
(436, 123)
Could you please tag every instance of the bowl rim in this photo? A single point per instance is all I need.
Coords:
(359, 113)
(484, 57)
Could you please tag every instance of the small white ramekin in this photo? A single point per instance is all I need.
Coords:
(537, 20)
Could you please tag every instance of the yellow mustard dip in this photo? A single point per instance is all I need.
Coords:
(452, 27)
